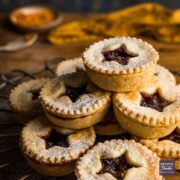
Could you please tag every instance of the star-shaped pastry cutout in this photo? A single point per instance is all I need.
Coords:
(120, 55)
(55, 139)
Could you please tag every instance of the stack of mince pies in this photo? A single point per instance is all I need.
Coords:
(110, 114)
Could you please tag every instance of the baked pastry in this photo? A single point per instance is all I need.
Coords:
(120, 64)
(74, 103)
(51, 153)
(153, 112)
(108, 126)
(118, 159)
(24, 99)
(70, 66)
(167, 147)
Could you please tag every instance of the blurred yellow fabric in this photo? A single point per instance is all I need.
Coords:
(149, 20)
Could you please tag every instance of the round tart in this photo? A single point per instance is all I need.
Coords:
(120, 64)
(153, 112)
(70, 66)
(118, 159)
(24, 99)
(51, 153)
(74, 103)
(108, 126)
(167, 147)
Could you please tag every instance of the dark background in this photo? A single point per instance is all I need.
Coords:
(83, 5)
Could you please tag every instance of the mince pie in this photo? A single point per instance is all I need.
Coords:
(72, 102)
(167, 147)
(24, 99)
(52, 153)
(120, 64)
(153, 112)
(70, 66)
(118, 159)
(108, 126)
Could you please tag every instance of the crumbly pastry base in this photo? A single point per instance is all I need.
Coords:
(142, 130)
(146, 162)
(109, 129)
(21, 98)
(81, 122)
(49, 169)
(34, 146)
(122, 82)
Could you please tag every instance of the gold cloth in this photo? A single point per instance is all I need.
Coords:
(149, 20)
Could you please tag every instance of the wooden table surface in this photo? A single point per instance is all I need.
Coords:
(33, 57)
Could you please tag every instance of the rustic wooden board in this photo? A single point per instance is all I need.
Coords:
(12, 164)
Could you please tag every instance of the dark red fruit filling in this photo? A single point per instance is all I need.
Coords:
(35, 94)
(74, 93)
(115, 166)
(153, 101)
(120, 55)
(174, 136)
(55, 139)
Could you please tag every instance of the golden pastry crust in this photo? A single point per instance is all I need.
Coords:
(51, 170)
(132, 116)
(113, 76)
(79, 122)
(146, 162)
(21, 99)
(147, 56)
(121, 83)
(33, 145)
(177, 164)
(62, 106)
(165, 148)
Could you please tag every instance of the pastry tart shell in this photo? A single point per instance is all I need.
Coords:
(142, 130)
(81, 122)
(49, 169)
(121, 82)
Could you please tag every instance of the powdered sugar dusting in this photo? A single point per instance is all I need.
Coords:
(51, 93)
(93, 55)
(34, 145)
(144, 160)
